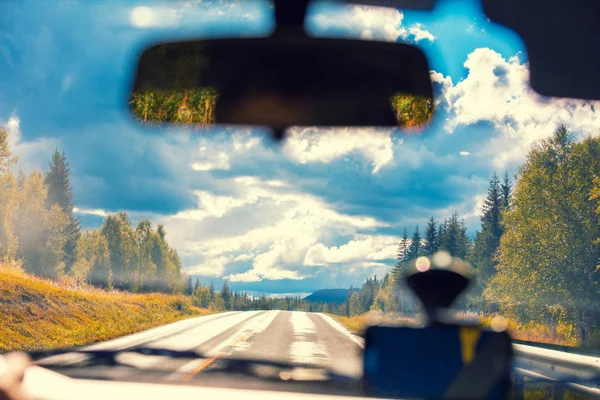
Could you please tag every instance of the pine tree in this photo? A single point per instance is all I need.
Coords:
(226, 295)
(401, 255)
(488, 240)
(506, 189)
(190, 286)
(431, 239)
(211, 289)
(59, 192)
(414, 250)
(197, 284)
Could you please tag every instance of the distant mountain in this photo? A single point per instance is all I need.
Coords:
(328, 296)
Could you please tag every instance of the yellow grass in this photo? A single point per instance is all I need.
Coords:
(561, 334)
(358, 324)
(38, 314)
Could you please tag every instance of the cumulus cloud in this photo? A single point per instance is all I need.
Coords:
(273, 247)
(362, 248)
(366, 22)
(306, 145)
(32, 154)
(496, 90)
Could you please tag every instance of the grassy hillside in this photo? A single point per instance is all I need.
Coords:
(38, 313)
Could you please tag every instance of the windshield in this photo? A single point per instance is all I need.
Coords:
(111, 226)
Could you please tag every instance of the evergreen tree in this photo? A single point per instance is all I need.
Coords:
(506, 189)
(414, 250)
(431, 239)
(355, 306)
(59, 192)
(488, 240)
(226, 295)
(197, 284)
(211, 290)
(401, 256)
(454, 237)
(190, 286)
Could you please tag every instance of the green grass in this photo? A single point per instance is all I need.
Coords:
(39, 314)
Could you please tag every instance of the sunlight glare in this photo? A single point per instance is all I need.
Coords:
(442, 259)
(422, 264)
(142, 16)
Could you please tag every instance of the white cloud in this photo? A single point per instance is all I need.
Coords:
(34, 154)
(215, 155)
(464, 153)
(84, 211)
(306, 145)
(213, 266)
(367, 22)
(359, 249)
(193, 12)
(497, 90)
(275, 247)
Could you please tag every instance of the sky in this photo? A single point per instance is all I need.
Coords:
(323, 210)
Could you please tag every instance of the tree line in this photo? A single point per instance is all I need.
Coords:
(205, 296)
(536, 255)
(39, 229)
(197, 107)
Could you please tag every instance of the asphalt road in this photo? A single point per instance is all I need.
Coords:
(291, 336)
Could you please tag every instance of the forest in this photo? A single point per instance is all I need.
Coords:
(535, 254)
(40, 232)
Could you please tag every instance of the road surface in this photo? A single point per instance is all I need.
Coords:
(290, 336)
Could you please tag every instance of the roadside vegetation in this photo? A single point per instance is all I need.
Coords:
(196, 108)
(39, 229)
(536, 255)
(39, 313)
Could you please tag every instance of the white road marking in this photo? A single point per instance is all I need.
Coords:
(306, 347)
(196, 336)
(336, 325)
(236, 342)
(187, 340)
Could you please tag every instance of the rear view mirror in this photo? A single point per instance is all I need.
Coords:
(282, 81)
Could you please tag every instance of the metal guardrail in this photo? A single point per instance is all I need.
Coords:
(553, 367)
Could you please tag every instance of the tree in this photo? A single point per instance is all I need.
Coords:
(401, 256)
(190, 286)
(9, 205)
(52, 264)
(145, 273)
(548, 256)
(431, 238)
(123, 249)
(60, 193)
(453, 237)
(30, 222)
(414, 250)
(217, 304)
(92, 260)
(355, 306)
(197, 284)
(506, 189)
(201, 297)
(211, 288)
(7, 159)
(226, 295)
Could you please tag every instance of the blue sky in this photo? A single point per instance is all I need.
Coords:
(323, 210)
